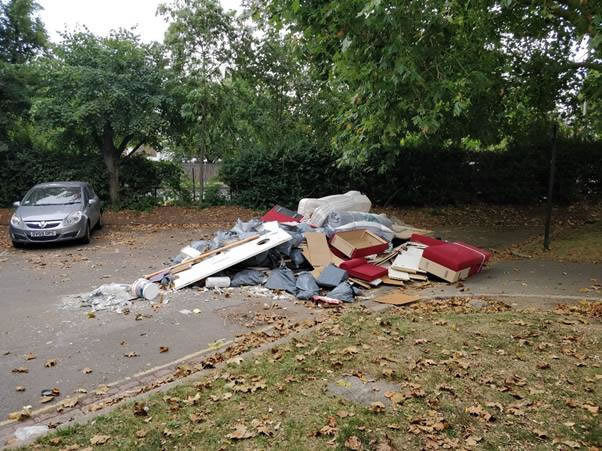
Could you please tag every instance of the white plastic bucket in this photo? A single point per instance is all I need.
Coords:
(143, 288)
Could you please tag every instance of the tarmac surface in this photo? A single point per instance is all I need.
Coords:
(39, 317)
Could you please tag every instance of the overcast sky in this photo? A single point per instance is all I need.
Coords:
(101, 16)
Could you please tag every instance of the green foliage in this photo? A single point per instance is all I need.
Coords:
(142, 180)
(214, 195)
(22, 33)
(422, 176)
(439, 72)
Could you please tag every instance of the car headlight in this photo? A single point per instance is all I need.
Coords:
(16, 221)
(72, 218)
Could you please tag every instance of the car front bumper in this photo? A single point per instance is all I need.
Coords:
(23, 234)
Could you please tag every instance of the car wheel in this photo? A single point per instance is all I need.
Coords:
(99, 223)
(86, 238)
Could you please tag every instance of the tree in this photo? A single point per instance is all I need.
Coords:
(442, 72)
(22, 36)
(204, 42)
(110, 91)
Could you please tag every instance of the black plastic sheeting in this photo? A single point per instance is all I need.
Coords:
(247, 277)
(343, 291)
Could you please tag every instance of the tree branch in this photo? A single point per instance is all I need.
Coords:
(140, 144)
(585, 65)
(124, 143)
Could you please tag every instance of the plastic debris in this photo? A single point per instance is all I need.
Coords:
(247, 277)
(217, 282)
(24, 434)
(331, 276)
(282, 279)
(343, 292)
(306, 286)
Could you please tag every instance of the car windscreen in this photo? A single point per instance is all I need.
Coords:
(53, 195)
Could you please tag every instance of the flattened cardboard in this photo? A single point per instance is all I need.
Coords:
(388, 281)
(317, 252)
(358, 243)
(396, 297)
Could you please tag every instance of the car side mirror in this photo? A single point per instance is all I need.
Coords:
(92, 202)
(16, 204)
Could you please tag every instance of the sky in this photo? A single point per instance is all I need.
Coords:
(101, 16)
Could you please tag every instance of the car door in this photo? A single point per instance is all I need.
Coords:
(95, 207)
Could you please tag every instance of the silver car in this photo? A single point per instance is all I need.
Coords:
(57, 211)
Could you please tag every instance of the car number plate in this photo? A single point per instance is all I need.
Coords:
(43, 233)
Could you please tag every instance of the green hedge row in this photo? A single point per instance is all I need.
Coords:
(140, 178)
(420, 177)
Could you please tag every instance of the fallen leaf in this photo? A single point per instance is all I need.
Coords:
(350, 350)
(20, 388)
(543, 366)
(87, 370)
(99, 439)
(46, 399)
(131, 354)
(50, 363)
(473, 440)
(21, 415)
(141, 433)
(541, 434)
(140, 409)
(591, 408)
(20, 369)
(240, 433)
(163, 349)
(70, 402)
(377, 407)
(29, 356)
(353, 443)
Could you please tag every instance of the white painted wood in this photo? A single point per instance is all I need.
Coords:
(398, 275)
(231, 257)
(190, 252)
(408, 260)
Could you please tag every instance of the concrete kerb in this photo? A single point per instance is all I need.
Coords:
(80, 417)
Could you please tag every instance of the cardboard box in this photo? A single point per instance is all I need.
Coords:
(449, 261)
(358, 243)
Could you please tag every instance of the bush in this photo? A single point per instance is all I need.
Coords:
(140, 178)
(426, 176)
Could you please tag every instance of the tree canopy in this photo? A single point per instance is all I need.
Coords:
(110, 90)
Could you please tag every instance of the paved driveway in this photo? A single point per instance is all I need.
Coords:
(37, 319)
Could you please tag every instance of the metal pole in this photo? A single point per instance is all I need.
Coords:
(546, 237)
(193, 188)
(202, 180)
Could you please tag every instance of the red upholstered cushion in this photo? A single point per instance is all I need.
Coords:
(360, 268)
(417, 238)
(452, 256)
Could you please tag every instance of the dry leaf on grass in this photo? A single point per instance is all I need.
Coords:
(21, 415)
(141, 433)
(377, 407)
(99, 439)
(140, 409)
(240, 433)
(479, 411)
(70, 402)
(353, 443)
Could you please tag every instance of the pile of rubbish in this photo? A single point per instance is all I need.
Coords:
(326, 251)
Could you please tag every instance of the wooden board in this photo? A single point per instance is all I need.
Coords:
(233, 256)
(396, 297)
(388, 281)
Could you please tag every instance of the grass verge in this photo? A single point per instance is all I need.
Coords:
(466, 375)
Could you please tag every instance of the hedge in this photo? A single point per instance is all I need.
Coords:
(140, 178)
(420, 177)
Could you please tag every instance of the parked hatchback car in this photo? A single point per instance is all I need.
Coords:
(57, 211)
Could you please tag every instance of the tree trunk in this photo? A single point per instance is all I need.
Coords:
(110, 155)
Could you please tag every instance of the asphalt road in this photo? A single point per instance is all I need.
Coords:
(38, 317)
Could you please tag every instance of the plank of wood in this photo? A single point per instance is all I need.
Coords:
(360, 283)
(178, 267)
(388, 281)
(233, 256)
